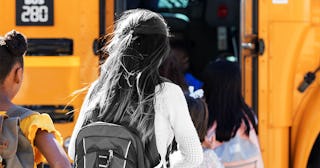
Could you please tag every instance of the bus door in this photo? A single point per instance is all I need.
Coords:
(251, 50)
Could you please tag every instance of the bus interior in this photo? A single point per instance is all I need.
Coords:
(209, 29)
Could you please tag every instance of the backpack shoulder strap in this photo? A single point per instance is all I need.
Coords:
(21, 112)
(20, 145)
(152, 152)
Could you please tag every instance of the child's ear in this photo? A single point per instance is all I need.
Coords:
(18, 75)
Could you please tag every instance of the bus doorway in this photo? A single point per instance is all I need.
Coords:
(209, 29)
(213, 29)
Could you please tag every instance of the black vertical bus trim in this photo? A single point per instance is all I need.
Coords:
(119, 7)
(255, 63)
(97, 44)
(102, 17)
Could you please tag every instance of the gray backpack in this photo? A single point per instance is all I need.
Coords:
(108, 145)
(15, 149)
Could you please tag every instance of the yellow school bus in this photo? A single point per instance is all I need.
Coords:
(276, 43)
(61, 59)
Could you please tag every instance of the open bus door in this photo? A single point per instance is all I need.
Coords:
(251, 48)
(273, 136)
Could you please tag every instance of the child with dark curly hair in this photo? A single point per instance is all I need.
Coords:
(40, 140)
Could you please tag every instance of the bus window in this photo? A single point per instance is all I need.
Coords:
(49, 47)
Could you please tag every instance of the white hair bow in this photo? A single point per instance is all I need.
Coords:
(195, 94)
(2, 42)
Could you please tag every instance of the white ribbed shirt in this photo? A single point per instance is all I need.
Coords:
(172, 119)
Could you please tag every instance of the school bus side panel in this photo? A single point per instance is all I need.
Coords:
(51, 80)
(291, 34)
(306, 106)
(280, 68)
(308, 128)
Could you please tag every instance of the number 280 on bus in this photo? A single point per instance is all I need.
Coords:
(34, 12)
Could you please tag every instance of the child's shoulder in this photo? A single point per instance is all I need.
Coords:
(37, 120)
(210, 159)
(168, 88)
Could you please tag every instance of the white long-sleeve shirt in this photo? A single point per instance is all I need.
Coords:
(172, 119)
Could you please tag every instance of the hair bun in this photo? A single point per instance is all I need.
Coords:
(16, 43)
